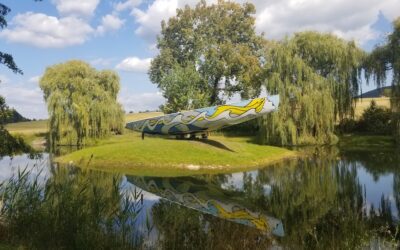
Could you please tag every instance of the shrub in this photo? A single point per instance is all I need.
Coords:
(72, 210)
(376, 120)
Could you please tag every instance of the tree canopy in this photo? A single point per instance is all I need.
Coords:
(306, 106)
(216, 45)
(385, 60)
(337, 60)
(317, 76)
(81, 101)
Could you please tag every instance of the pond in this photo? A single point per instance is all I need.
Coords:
(329, 199)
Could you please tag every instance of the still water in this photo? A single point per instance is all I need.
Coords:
(330, 199)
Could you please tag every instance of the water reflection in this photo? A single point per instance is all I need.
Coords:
(331, 199)
(207, 198)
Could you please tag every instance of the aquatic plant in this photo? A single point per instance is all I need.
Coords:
(72, 209)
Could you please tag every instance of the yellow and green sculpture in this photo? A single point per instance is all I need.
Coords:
(200, 121)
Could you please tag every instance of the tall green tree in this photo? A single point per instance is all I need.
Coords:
(217, 44)
(385, 60)
(316, 76)
(338, 61)
(82, 102)
(306, 106)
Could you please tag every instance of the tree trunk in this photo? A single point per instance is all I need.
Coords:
(214, 94)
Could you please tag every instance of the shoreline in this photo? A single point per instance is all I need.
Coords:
(156, 156)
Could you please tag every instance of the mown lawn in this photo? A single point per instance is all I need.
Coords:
(160, 156)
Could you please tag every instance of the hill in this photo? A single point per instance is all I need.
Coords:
(16, 117)
(376, 93)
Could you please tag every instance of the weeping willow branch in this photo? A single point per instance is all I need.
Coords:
(384, 60)
(82, 103)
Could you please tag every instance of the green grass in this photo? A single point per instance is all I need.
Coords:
(160, 156)
(366, 142)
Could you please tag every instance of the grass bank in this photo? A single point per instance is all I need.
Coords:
(366, 142)
(159, 156)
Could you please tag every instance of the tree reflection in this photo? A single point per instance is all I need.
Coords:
(183, 228)
(319, 198)
(321, 203)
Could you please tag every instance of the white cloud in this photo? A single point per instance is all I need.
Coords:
(140, 102)
(34, 79)
(76, 7)
(110, 22)
(134, 64)
(128, 4)
(277, 18)
(28, 102)
(47, 31)
(150, 20)
(347, 19)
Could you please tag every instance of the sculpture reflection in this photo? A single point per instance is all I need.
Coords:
(207, 198)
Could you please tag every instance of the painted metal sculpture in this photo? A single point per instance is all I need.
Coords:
(208, 198)
(200, 121)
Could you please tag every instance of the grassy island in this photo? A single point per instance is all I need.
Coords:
(160, 156)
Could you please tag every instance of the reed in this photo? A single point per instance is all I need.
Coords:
(72, 209)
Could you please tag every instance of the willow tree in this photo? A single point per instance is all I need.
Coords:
(338, 61)
(82, 102)
(306, 105)
(217, 43)
(316, 76)
(385, 60)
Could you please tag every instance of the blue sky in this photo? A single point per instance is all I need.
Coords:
(121, 35)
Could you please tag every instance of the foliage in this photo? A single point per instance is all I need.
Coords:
(4, 111)
(72, 210)
(82, 102)
(15, 116)
(316, 76)
(337, 60)
(347, 126)
(9, 144)
(376, 120)
(202, 42)
(321, 202)
(306, 105)
(181, 95)
(384, 60)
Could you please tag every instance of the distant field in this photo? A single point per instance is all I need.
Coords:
(32, 127)
(363, 103)
(38, 127)
(139, 116)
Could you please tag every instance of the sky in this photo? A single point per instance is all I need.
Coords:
(121, 35)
